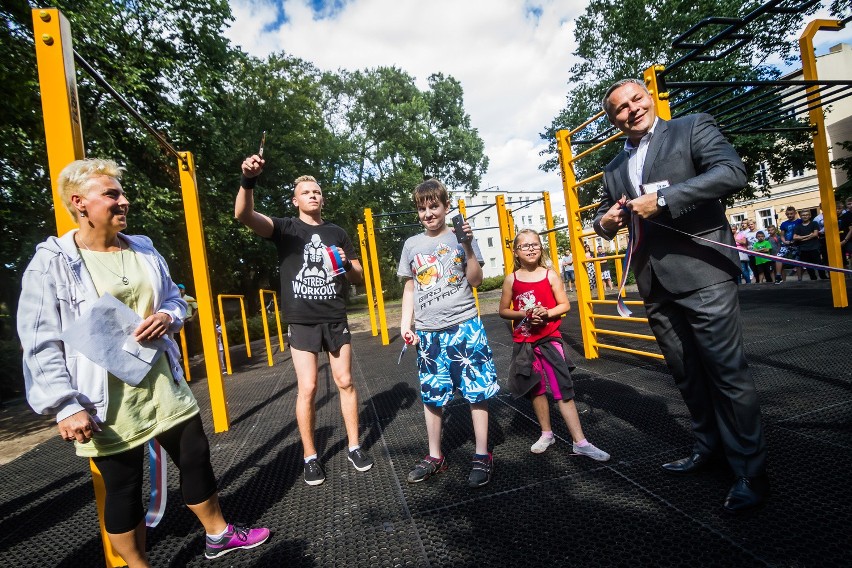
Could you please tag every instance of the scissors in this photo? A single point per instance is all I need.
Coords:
(401, 353)
(262, 142)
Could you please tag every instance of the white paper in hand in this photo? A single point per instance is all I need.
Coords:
(104, 335)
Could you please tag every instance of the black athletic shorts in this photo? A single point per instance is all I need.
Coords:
(319, 336)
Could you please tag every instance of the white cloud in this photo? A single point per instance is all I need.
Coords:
(513, 64)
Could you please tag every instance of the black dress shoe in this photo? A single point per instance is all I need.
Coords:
(746, 493)
(694, 463)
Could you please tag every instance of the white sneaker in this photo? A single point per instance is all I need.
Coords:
(542, 444)
(591, 451)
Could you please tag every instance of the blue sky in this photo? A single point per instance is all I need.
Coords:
(511, 56)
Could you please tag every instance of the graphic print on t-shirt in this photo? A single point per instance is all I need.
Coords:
(526, 301)
(437, 274)
(314, 281)
(427, 270)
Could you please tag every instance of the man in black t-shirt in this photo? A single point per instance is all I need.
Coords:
(806, 236)
(845, 223)
(311, 253)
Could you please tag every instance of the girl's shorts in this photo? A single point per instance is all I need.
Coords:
(457, 357)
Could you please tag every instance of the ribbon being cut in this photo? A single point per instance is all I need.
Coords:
(634, 243)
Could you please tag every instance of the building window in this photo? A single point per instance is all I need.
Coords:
(737, 219)
(541, 219)
(765, 218)
(491, 241)
(798, 172)
(487, 221)
(493, 263)
(762, 174)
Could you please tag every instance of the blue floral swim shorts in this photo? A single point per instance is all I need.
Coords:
(457, 357)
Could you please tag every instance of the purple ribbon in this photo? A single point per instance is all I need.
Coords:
(765, 255)
(635, 240)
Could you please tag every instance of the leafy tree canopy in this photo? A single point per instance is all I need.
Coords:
(622, 39)
(368, 136)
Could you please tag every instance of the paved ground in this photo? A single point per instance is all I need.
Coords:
(555, 509)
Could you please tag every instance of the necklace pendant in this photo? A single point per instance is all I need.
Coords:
(125, 281)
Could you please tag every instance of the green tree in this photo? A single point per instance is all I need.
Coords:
(390, 135)
(622, 39)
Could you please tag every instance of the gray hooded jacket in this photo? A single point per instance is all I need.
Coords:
(56, 290)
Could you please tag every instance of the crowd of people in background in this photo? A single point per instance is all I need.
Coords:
(800, 237)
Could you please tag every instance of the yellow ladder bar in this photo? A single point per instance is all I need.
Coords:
(269, 361)
(463, 211)
(823, 167)
(505, 238)
(226, 348)
(368, 280)
(551, 234)
(63, 131)
(575, 230)
(203, 290)
(377, 277)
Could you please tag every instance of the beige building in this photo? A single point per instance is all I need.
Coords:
(801, 189)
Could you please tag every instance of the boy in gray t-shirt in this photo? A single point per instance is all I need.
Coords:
(453, 353)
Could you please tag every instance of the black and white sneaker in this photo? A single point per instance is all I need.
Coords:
(360, 459)
(480, 473)
(314, 475)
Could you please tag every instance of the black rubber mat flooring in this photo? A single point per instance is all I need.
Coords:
(553, 509)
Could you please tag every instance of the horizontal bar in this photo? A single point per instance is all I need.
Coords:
(587, 207)
(375, 215)
(625, 334)
(589, 179)
(123, 102)
(612, 138)
(632, 351)
(620, 318)
(771, 83)
(585, 124)
(615, 302)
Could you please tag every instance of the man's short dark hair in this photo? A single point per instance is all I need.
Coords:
(618, 84)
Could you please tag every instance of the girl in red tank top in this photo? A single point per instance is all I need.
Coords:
(534, 298)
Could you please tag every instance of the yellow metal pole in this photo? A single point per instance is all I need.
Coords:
(619, 273)
(225, 346)
(823, 166)
(599, 276)
(463, 211)
(245, 327)
(203, 291)
(377, 276)
(223, 323)
(506, 241)
(63, 132)
(278, 321)
(661, 99)
(575, 229)
(185, 352)
(368, 280)
(112, 558)
(551, 234)
(269, 361)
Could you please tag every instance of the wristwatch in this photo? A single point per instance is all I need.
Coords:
(661, 200)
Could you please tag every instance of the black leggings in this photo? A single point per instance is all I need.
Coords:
(186, 444)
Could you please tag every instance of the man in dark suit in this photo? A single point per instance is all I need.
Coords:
(673, 175)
